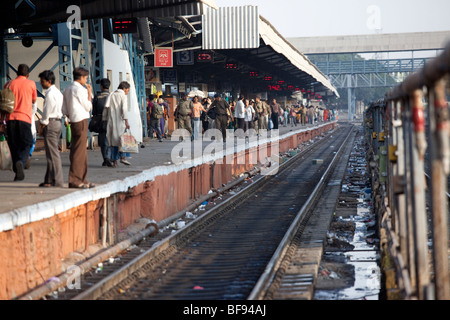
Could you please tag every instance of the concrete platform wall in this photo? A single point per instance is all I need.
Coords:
(33, 252)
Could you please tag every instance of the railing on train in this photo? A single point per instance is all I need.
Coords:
(406, 130)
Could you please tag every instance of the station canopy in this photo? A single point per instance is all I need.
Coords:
(230, 47)
(236, 47)
(21, 13)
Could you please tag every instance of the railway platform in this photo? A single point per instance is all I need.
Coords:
(20, 194)
(40, 227)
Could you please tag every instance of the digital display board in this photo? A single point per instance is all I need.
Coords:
(231, 65)
(204, 57)
(128, 25)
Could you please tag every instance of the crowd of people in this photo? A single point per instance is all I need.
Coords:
(73, 107)
(198, 115)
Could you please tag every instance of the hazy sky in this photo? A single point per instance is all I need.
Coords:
(305, 18)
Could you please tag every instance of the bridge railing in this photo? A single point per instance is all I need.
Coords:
(409, 139)
(373, 80)
(371, 66)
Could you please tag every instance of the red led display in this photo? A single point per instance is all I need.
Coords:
(278, 87)
(124, 25)
(231, 66)
(274, 87)
(204, 57)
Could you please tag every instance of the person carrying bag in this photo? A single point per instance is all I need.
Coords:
(5, 154)
(128, 143)
(115, 113)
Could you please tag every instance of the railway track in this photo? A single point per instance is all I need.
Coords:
(223, 253)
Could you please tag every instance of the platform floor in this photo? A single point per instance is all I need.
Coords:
(18, 194)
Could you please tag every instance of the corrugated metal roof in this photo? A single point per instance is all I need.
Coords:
(273, 39)
(51, 11)
(231, 28)
(243, 28)
(144, 31)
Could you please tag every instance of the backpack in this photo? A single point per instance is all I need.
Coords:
(7, 99)
(158, 111)
(98, 105)
(212, 113)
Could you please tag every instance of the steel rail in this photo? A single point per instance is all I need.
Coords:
(266, 278)
(113, 279)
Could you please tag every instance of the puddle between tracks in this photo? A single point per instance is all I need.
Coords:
(350, 263)
(350, 269)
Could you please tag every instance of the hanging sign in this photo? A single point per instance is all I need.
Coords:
(185, 58)
(163, 57)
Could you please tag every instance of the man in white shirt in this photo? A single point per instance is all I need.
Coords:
(239, 114)
(50, 127)
(77, 104)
